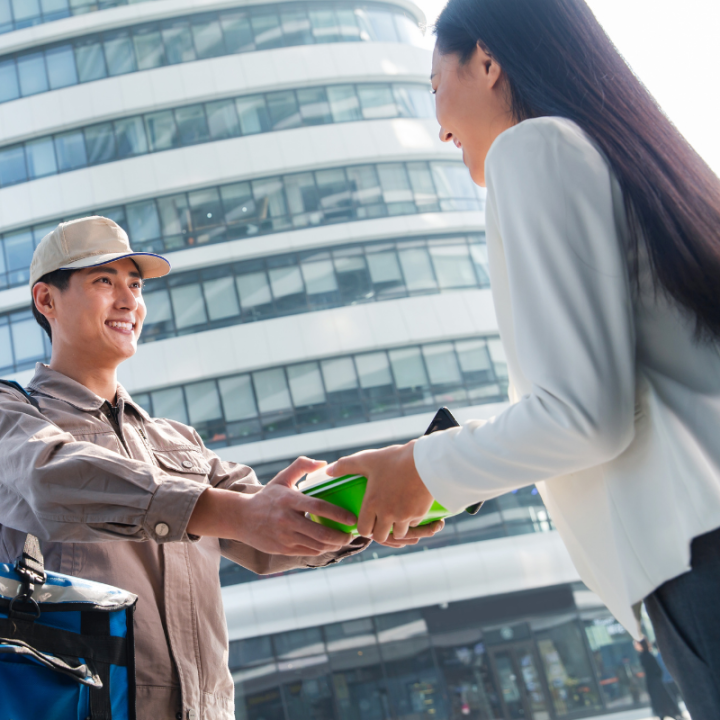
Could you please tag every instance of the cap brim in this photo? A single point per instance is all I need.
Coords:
(150, 264)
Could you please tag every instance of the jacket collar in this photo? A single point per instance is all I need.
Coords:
(56, 385)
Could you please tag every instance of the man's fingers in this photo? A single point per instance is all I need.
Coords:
(390, 542)
(291, 474)
(330, 537)
(426, 530)
(316, 506)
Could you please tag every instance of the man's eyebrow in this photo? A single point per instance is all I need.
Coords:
(103, 268)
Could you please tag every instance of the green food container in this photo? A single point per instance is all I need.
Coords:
(347, 492)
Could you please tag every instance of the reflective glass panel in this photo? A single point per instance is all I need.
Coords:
(283, 110)
(296, 27)
(130, 134)
(339, 374)
(382, 25)
(203, 401)
(452, 266)
(143, 221)
(305, 384)
(314, 108)
(221, 298)
(319, 277)
(188, 305)
(324, 26)
(286, 281)
(253, 289)
(6, 356)
(408, 368)
(237, 32)
(70, 150)
(208, 38)
(174, 214)
(253, 115)
(12, 165)
(9, 88)
(149, 48)
(344, 103)
(267, 31)
(161, 130)
(417, 269)
(100, 143)
(89, 60)
(119, 53)
(222, 119)
(192, 125)
(19, 249)
(373, 369)
(237, 398)
(31, 71)
(413, 101)
(272, 391)
(442, 364)
(61, 66)
(178, 42)
(377, 101)
(169, 404)
(40, 157)
(27, 340)
(158, 306)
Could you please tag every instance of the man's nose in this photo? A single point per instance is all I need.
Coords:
(445, 135)
(126, 299)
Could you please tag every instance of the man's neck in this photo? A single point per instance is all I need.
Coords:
(100, 380)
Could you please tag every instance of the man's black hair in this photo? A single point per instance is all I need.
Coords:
(59, 279)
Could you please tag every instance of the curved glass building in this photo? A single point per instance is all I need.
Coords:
(329, 292)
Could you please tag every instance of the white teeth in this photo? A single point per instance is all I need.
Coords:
(124, 325)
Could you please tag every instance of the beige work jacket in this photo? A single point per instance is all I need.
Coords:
(110, 494)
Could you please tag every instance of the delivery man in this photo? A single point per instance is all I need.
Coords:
(138, 502)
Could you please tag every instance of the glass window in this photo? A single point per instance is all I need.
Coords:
(54, 9)
(192, 125)
(267, 31)
(473, 356)
(221, 298)
(222, 119)
(19, 249)
(25, 11)
(253, 115)
(296, 27)
(453, 182)
(324, 26)
(149, 48)
(178, 42)
(12, 165)
(119, 53)
(423, 187)
(31, 71)
(269, 192)
(161, 130)
(100, 143)
(298, 643)
(334, 191)
(353, 278)
(237, 32)
(497, 353)
(253, 651)
(344, 103)
(417, 269)
(478, 252)
(70, 150)
(169, 404)
(237, 398)
(283, 110)
(408, 31)
(408, 368)
(253, 289)
(40, 157)
(384, 267)
(208, 37)
(203, 401)
(305, 384)
(286, 281)
(414, 102)
(9, 88)
(394, 182)
(188, 306)
(143, 222)
(158, 306)
(61, 66)
(339, 374)
(382, 24)
(365, 184)
(6, 356)
(174, 214)
(314, 108)
(442, 364)
(130, 134)
(302, 198)
(319, 277)
(373, 369)
(89, 59)
(377, 101)
(349, 30)
(205, 208)
(452, 266)
(272, 391)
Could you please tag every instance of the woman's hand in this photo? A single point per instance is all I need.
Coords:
(396, 498)
(414, 534)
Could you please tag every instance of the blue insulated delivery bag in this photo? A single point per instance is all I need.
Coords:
(66, 645)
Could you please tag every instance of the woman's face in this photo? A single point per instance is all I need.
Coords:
(472, 105)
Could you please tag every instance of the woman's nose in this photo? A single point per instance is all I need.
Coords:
(445, 135)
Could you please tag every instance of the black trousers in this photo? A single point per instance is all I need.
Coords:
(685, 614)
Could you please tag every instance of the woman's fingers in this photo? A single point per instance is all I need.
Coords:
(400, 529)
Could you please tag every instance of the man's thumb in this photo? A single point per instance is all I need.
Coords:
(293, 472)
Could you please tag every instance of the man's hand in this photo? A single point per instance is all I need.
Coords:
(414, 534)
(273, 519)
(396, 498)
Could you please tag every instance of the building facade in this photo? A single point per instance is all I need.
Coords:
(329, 292)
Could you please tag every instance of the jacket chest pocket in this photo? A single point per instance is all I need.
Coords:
(183, 461)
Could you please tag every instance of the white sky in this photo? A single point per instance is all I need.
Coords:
(674, 48)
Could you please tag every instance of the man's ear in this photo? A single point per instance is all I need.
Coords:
(487, 66)
(43, 296)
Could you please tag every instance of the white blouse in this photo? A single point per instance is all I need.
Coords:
(616, 413)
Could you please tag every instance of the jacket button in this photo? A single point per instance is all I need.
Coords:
(192, 715)
(162, 529)
(186, 464)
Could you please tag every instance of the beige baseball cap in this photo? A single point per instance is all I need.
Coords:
(89, 242)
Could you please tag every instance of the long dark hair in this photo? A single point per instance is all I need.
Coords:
(559, 61)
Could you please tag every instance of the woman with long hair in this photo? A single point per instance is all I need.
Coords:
(603, 235)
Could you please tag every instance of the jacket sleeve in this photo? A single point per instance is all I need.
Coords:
(551, 200)
(65, 490)
(241, 478)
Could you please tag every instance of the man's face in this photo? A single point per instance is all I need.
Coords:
(101, 313)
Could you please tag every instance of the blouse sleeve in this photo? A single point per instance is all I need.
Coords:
(550, 199)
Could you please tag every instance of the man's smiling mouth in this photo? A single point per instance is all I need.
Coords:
(121, 326)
